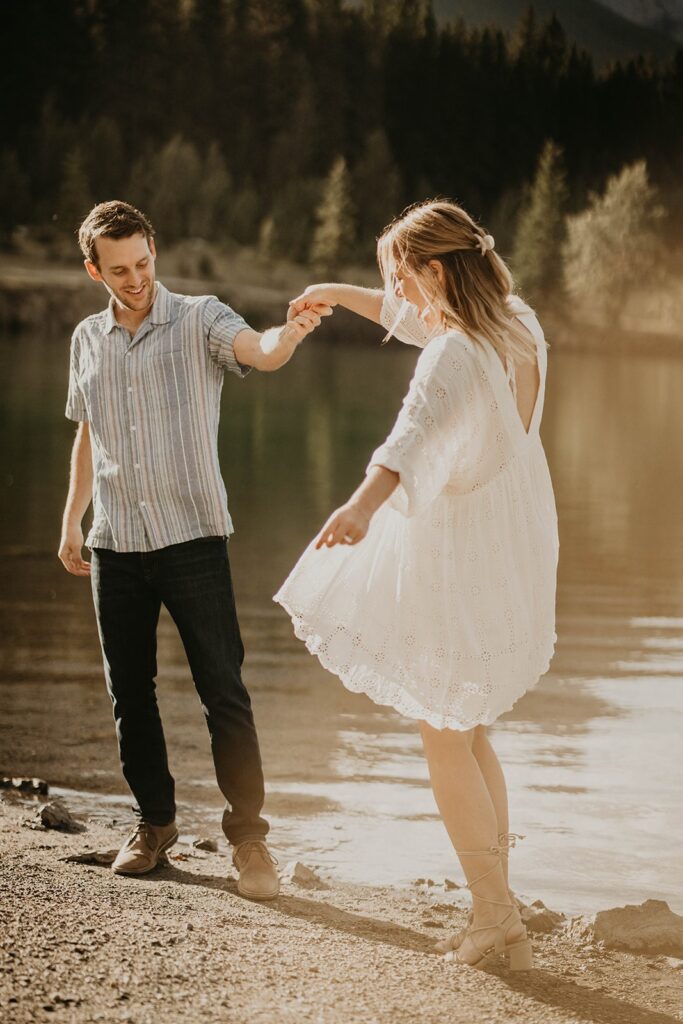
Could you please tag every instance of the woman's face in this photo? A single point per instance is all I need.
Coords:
(408, 289)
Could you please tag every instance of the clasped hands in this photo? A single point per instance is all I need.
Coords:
(306, 311)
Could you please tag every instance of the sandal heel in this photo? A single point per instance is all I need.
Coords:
(520, 956)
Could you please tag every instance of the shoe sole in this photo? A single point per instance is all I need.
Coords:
(145, 871)
(257, 895)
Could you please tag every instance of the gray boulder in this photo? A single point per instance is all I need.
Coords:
(303, 876)
(651, 928)
(540, 919)
(55, 814)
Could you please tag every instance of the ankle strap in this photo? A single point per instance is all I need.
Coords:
(508, 840)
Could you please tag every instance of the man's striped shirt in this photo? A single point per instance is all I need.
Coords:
(152, 403)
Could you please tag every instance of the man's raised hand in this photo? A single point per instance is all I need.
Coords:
(304, 320)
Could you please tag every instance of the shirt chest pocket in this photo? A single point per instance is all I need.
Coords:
(167, 375)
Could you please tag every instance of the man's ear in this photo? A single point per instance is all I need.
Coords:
(152, 248)
(92, 270)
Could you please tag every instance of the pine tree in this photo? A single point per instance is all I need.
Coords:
(244, 215)
(334, 235)
(293, 219)
(537, 253)
(614, 244)
(177, 179)
(209, 214)
(14, 194)
(75, 198)
(376, 190)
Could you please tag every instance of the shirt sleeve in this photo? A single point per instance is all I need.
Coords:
(402, 320)
(76, 408)
(431, 435)
(222, 325)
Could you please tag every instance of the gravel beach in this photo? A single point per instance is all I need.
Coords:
(81, 944)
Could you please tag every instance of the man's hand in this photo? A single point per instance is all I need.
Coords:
(302, 322)
(70, 547)
(273, 348)
(348, 525)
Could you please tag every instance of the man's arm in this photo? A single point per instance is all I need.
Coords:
(273, 348)
(77, 501)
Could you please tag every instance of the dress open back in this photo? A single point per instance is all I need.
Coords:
(446, 610)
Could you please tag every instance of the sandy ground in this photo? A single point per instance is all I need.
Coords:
(81, 944)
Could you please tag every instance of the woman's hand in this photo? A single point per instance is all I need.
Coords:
(348, 525)
(315, 295)
(302, 322)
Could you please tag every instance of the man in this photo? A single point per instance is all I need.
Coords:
(145, 382)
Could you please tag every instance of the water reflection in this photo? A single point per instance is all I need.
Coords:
(591, 752)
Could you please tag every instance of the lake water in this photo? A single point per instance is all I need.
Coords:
(592, 755)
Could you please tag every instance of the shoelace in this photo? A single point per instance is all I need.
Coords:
(256, 846)
(142, 829)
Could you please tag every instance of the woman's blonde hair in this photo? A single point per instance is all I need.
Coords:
(477, 287)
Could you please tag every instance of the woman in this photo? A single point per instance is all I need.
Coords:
(446, 611)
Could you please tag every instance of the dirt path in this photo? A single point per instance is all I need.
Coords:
(81, 944)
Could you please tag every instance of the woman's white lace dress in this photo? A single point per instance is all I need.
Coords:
(446, 610)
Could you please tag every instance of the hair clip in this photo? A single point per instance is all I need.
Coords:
(486, 243)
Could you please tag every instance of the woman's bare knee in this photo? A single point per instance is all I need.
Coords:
(446, 739)
(479, 735)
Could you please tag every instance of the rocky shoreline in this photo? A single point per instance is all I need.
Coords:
(54, 298)
(81, 944)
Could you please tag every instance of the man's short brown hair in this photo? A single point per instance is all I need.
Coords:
(114, 219)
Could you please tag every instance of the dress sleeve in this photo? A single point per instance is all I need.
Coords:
(431, 435)
(401, 320)
(222, 325)
(76, 409)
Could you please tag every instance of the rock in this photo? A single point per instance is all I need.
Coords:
(56, 814)
(25, 785)
(450, 884)
(91, 857)
(650, 928)
(673, 962)
(206, 844)
(538, 918)
(301, 875)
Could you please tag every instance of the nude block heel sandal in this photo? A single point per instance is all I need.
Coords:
(506, 841)
(519, 953)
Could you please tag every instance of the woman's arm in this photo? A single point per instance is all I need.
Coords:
(366, 302)
(349, 524)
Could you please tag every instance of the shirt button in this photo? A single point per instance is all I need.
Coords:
(137, 465)
(130, 389)
(133, 427)
(142, 504)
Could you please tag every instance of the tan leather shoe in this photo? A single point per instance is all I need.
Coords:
(258, 877)
(142, 849)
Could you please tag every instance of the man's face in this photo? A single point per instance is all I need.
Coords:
(126, 268)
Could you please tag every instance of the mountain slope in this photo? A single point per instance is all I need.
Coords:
(592, 26)
(664, 15)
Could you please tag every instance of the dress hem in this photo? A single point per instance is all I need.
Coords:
(373, 683)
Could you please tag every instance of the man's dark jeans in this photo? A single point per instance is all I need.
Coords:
(193, 582)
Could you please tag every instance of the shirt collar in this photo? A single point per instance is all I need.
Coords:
(162, 311)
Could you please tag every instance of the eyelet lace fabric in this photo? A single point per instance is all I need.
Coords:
(446, 610)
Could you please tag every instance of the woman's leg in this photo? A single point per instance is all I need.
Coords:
(492, 773)
(469, 814)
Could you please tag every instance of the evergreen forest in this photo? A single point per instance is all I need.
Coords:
(228, 119)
